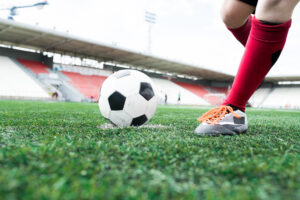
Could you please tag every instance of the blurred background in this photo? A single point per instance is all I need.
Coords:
(64, 50)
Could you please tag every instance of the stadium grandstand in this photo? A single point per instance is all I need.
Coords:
(29, 70)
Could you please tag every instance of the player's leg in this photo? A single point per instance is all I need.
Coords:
(236, 15)
(265, 43)
(275, 11)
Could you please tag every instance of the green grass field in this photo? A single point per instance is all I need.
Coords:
(59, 151)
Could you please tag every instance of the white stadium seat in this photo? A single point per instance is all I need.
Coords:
(283, 97)
(259, 96)
(15, 83)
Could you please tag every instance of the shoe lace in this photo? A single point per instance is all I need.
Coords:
(216, 114)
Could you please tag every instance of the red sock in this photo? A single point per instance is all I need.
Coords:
(262, 51)
(242, 33)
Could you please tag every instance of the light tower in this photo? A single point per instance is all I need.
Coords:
(13, 9)
(150, 19)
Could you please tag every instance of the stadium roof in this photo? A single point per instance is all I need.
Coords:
(47, 40)
(276, 79)
(34, 37)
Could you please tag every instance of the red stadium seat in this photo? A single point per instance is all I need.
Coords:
(34, 66)
(219, 89)
(201, 92)
(196, 89)
(88, 85)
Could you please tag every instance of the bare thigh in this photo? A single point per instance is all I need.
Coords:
(276, 11)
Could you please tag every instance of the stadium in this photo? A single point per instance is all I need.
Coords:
(54, 143)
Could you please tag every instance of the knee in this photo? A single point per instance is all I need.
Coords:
(227, 17)
(230, 18)
(234, 13)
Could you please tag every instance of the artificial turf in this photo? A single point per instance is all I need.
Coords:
(59, 151)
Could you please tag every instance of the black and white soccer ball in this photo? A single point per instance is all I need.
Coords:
(127, 98)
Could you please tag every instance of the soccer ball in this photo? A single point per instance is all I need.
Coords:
(127, 98)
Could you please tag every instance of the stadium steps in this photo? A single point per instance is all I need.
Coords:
(60, 84)
(41, 77)
(87, 85)
(70, 93)
(210, 90)
(221, 90)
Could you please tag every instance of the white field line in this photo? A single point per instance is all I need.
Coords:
(108, 126)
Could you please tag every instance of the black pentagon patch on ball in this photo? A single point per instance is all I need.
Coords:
(122, 73)
(138, 121)
(116, 101)
(146, 90)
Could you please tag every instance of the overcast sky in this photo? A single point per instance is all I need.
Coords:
(188, 31)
